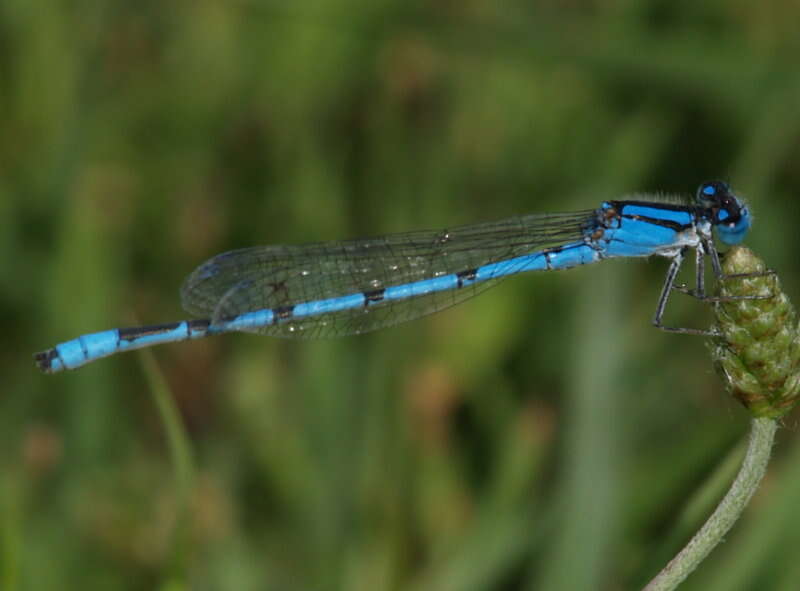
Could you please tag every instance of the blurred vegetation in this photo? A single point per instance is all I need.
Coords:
(542, 436)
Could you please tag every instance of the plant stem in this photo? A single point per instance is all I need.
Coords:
(762, 435)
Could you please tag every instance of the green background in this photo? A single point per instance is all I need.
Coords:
(542, 436)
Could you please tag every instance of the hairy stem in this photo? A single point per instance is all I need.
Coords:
(727, 512)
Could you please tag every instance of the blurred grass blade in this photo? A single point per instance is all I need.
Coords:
(181, 455)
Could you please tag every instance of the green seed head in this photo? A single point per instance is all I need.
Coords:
(758, 352)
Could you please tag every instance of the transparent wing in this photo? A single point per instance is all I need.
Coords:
(264, 277)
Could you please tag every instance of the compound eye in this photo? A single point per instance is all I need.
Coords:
(712, 191)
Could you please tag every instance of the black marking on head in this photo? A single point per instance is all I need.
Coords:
(468, 275)
(712, 190)
(376, 295)
(725, 207)
(284, 312)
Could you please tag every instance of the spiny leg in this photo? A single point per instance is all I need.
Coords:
(669, 285)
(707, 248)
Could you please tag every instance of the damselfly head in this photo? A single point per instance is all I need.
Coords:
(730, 216)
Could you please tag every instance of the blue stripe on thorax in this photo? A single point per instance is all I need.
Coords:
(644, 229)
(638, 233)
(682, 216)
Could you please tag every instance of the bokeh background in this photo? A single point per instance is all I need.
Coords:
(541, 436)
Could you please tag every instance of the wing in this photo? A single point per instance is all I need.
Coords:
(266, 277)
